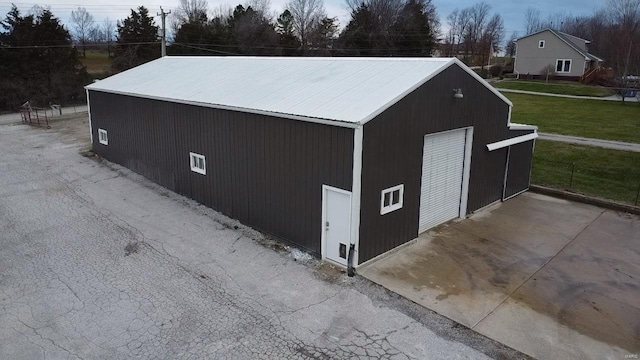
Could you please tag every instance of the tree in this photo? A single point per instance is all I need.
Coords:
(546, 71)
(323, 35)
(82, 22)
(252, 33)
(137, 40)
(288, 39)
(361, 35)
(532, 21)
(191, 11)
(108, 29)
(306, 16)
(510, 49)
(412, 33)
(38, 62)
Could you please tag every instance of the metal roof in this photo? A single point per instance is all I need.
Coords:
(342, 90)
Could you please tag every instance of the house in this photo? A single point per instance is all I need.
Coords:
(567, 56)
(343, 157)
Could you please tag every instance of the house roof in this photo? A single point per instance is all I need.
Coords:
(343, 91)
(567, 39)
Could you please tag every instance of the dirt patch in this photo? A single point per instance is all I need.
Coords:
(131, 248)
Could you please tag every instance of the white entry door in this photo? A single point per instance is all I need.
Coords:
(443, 161)
(336, 224)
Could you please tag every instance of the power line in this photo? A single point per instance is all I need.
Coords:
(72, 46)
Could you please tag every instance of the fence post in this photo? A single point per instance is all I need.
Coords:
(573, 167)
(637, 194)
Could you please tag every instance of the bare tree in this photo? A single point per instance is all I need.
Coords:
(190, 11)
(82, 22)
(306, 17)
(532, 21)
(108, 32)
(546, 71)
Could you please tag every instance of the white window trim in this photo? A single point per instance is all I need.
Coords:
(194, 166)
(102, 141)
(541, 42)
(562, 68)
(392, 207)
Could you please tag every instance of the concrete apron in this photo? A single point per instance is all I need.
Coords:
(548, 277)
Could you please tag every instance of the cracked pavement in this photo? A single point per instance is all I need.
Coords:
(98, 262)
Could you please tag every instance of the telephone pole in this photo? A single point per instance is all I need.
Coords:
(163, 40)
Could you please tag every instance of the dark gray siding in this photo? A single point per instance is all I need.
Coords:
(392, 153)
(519, 170)
(267, 172)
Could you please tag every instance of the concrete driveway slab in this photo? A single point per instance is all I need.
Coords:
(98, 262)
(549, 277)
(590, 289)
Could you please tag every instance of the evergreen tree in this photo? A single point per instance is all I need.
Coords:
(137, 40)
(288, 40)
(252, 33)
(361, 35)
(323, 35)
(412, 34)
(38, 62)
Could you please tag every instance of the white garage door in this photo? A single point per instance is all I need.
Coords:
(442, 173)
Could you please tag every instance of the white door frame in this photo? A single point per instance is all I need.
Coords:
(325, 189)
(468, 148)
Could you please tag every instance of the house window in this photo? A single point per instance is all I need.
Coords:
(541, 44)
(391, 199)
(563, 65)
(102, 137)
(198, 163)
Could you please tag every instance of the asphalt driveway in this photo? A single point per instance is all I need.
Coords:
(98, 262)
(552, 278)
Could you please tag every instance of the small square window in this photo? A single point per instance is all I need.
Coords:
(541, 44)
(391, 199)
(198, 163)
(102, 137)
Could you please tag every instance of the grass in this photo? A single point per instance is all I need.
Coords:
(555, 87)
(97, 62)
(609, 120)
(604, 173)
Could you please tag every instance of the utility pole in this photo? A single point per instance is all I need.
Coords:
(163, 40)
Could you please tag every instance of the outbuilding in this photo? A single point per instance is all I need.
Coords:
(343, 157)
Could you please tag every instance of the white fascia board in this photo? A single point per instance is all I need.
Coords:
(512, 141)
(514, 126)
(233, 108)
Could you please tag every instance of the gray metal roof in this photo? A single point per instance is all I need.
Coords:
(345, 90)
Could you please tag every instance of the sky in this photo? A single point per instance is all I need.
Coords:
(512, 11)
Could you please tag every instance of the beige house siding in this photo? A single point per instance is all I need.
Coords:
(530, 59)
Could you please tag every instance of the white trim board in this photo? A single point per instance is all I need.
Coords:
(356, 191)
(89, 112)
(512, 141)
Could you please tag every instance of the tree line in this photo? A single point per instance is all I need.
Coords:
(376, 28)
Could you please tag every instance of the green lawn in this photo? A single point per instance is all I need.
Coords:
(97, 62)
(554, 87)
(609, 120)
(604, 173)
